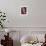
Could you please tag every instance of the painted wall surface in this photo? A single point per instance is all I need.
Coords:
(12, 9)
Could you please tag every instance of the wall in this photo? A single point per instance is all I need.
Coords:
(12, 9)
(39, 15)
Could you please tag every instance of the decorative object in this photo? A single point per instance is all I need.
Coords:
(2, 19)
(8, 40)
(7, 30)
(24, 10)
(44, 44)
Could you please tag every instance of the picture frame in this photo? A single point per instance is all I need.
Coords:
(24, 10)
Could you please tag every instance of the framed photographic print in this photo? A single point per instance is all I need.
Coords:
(24, 10)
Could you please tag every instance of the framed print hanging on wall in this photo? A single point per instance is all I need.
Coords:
(23, 10)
